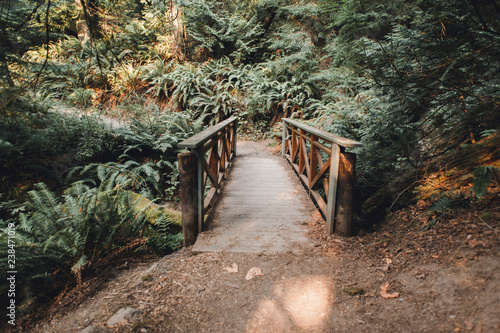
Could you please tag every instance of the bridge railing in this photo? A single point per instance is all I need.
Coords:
(326, 169)
(201, 172)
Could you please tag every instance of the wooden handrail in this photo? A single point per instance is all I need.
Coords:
(209, 159)
(198, 139)
(327, 136)
(312, 160)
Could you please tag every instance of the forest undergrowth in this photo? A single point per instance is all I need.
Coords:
(416, 82)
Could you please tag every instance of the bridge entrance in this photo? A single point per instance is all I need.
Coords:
(264, 206)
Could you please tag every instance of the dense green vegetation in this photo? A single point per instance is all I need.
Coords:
(412, 80)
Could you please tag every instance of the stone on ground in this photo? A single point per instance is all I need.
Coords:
(124, 316)
(96, 329)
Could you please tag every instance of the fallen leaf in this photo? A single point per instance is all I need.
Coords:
(388, 261)
(232, 269)
(253, 272)
(385, 294)
(475, 243)
(469, 325)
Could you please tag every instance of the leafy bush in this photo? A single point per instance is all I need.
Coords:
(59, 238)
(148, 156)
(217, 32)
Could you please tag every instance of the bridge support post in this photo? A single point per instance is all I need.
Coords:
(188, 174)
(332, 189)
(345, 193)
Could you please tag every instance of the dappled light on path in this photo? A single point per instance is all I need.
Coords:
(302, 302)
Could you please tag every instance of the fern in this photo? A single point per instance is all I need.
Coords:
(74, 232)
(483, 176)
(163, 240)
(449, 202)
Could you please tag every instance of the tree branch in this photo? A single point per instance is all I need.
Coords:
(480, 17)
(47, 41)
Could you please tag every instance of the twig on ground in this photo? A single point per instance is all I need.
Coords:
(486, 224)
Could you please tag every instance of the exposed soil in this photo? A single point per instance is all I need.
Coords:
(407, 275)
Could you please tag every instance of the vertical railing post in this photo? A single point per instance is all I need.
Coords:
(215, 160)
(188, 174)
(283, 140)
(235, 136)
(332, 189)
(302, 153)
(313, 163)
(345, 193)
(293, 145)
(200, 155)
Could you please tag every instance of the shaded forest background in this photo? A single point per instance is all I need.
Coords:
(417, 82)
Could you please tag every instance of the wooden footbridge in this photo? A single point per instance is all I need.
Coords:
(263, 206)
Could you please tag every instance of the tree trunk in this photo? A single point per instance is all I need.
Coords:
(178, 28)
(81, 23)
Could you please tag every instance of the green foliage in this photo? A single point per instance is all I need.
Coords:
(71, 69)
(220, 32)
(96, 141)
(81, 97)
(47, 135)
(148, 160)
(156, 73)
(410, 80)
(450, 201)
(213, 91)
(67, 235)
(59, 238)
(162, 239)
(483, 176)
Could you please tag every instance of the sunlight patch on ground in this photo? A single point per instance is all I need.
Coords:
(307, 300)
(269, 317)
(303, 302)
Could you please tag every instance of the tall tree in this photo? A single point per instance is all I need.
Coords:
(82, 19)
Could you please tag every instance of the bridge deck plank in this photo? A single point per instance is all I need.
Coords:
(263, 207)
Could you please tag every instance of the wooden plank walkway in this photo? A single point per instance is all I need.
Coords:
(263, 207)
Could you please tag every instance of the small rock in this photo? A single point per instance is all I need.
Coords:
(124, 266)
(232, 269)
(253, 272)
(123, 316)
(96, 329)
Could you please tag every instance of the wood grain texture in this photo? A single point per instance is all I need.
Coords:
(263, 207)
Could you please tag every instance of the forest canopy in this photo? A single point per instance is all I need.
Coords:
(410, 79)
(414, 81)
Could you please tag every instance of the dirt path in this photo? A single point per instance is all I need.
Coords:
(64, 109)
(398, 278)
